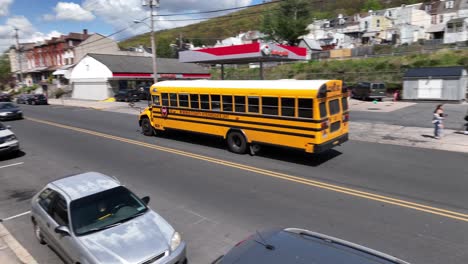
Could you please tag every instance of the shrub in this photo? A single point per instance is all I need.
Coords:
(59, 92)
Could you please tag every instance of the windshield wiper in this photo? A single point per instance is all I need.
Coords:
(92, 230)
(131, 217)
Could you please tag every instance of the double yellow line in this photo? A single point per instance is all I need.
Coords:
(290, 178)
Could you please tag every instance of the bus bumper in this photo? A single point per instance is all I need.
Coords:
(331, 144)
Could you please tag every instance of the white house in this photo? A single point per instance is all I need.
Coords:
(456, 30)
(311, 45)
(99, 76)
(338, 33)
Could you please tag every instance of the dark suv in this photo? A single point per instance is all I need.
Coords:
(369, 90)
(5, 97)
(33, 99)
(298, 246)
(127, 96)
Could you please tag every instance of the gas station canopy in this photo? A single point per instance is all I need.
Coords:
(246, 53)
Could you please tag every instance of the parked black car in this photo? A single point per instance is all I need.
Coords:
(5, 97)
(10, 111)
(127, 96)
(33, 99)
(297, 246)
(23, 98)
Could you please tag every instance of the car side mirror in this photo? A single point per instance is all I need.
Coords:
(146, 199)
(62, 230)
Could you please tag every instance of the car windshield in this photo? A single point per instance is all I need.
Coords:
(7, 106)
(104, 210)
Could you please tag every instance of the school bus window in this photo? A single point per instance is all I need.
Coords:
(305, 108)
(215, 104)
(253, 104)
(344, 102)
(334, 106)
(156, 100)
(173, 99)
(165, 99)
(287, 106)
(227, 103)
(270, 105)
(323, 110)
(205, 101)
(240, 104)
(194, 101)
(183, 100)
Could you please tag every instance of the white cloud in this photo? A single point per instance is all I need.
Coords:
(121, 13)
(5, 6)
(69, 11)
(26, 31)
(39, 36)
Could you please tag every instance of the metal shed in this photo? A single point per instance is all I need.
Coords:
(436, 83)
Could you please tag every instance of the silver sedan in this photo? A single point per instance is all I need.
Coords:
(91, 218)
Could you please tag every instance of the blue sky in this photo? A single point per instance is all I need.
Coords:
(42, 19)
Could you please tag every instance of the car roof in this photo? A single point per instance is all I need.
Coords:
(85, 184)
(298, 246)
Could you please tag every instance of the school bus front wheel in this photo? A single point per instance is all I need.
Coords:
(146, 127)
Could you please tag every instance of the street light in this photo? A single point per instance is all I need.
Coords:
(153, 45)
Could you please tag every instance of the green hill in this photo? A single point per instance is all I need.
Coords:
(207, 32)
(386, 69)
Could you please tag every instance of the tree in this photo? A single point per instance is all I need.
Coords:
(288, 22)
(372, 5)
(164, 49)
(6, 79)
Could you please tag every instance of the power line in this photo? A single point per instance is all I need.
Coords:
(219, 10)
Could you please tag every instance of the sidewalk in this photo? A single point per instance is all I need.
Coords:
(452, 140)
(418, 137)
(11, 252)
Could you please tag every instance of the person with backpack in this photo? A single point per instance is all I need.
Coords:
(437, 120)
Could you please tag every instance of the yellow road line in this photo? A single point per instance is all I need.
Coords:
(318, 184)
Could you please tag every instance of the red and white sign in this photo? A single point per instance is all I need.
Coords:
(164, 111)
(245, 53)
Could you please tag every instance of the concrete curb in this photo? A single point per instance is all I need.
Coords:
(21, 253)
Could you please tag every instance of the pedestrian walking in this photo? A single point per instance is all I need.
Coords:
(437, 120)
(396, 96)
(466, 125)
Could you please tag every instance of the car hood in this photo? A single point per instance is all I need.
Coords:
(134, 241)
(5, 132)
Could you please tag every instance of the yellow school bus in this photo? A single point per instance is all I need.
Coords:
(311, 115)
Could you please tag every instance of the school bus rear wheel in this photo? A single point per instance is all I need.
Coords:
(146, 127)
(236, 142)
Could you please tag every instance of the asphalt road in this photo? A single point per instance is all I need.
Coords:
(216, 203)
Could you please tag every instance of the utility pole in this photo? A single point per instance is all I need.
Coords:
(153, 4)
(180, 41)
(18, 50)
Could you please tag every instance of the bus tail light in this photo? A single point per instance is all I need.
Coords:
(346, 117)
(324, 126)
